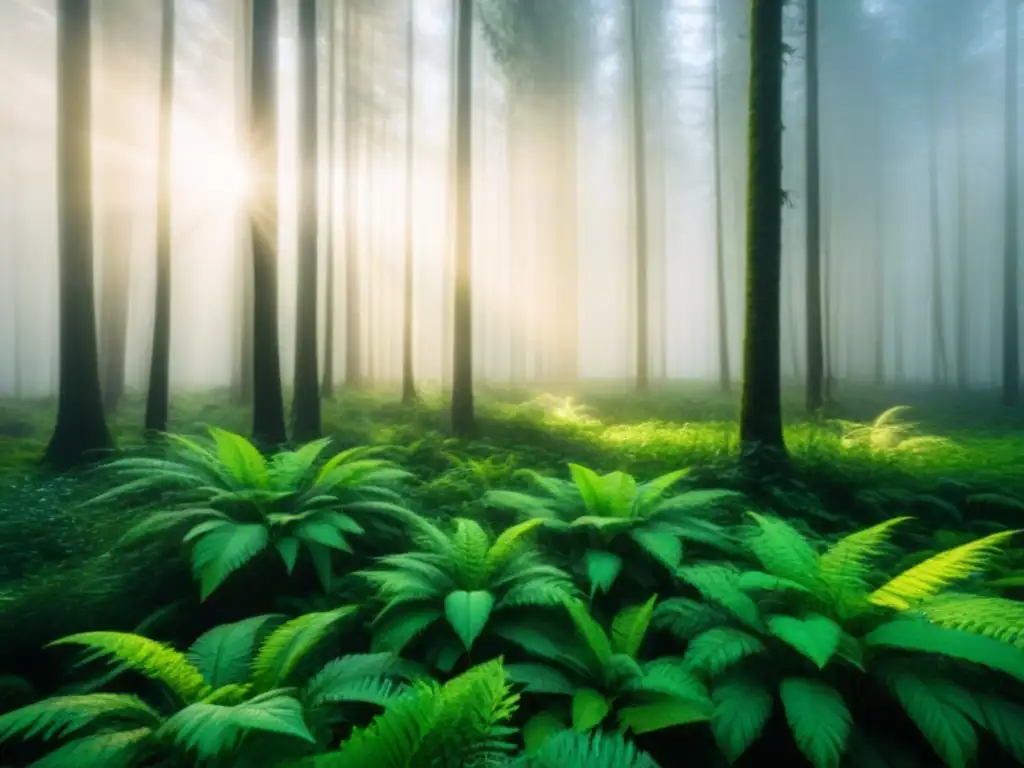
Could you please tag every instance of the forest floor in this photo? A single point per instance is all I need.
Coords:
(956, 461)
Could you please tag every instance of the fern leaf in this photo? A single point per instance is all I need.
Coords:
(223, 551)
(659, 715)
(471, 545)
(716, 650)
(240, 457)
(223, 654)
(1005, 721)
(467, 613)
(684, 618)
(720, 585)
(395, 631)
(155, 660)
(290, 643)
(65, 715)
(109, 749)
(571, 749)
(590, 631)
(815, 637)
(743, 707)
(541, 678)
(589, 709)
(630, 626)
(818, 718)
(602, 568)
(510, 540)
(995, 617)
(844, 565)
(939, 571)
(784, 552)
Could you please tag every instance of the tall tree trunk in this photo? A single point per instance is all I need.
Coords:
(81, 428)
(462, 410)
(724, 372)
(268, 422)
(158, 395)
(940, 365)
(963, 273)
(1011, 327)
(566, 302)
(408, 378)
(242, 384)
(815, 351)
(327, 382)
(353, 310)
(761, 410)
(640, 199)
(306, 397)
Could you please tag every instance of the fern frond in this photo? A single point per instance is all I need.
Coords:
(110, 749)
(223, 654)
(784, 552)
(939, 571)
(155, 660)
(222, 551)
(289, 644)
(844, 566)
(995, 617)
(630, 626)
(509, 541)
(65, 715)
(571, 749)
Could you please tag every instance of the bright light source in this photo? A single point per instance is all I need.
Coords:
(208, 169)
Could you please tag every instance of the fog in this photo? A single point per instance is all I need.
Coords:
(912, 189)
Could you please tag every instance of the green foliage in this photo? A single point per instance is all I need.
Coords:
(235, 503)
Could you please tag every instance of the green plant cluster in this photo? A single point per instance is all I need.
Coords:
(589, 620)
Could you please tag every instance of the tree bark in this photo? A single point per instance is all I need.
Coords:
(408, 377)
(815, 351)
(81, 431)
(353, 311)
(1011, 327)
(463, 414)
(327, 383)
(158, 395)
(268, 422)
(306, 402)
(640, 200)
(724, 372)
(242, 385)
(761, 409)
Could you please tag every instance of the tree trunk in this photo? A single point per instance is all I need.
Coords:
(353, 326)
(242, 385)
(408, 378)
(306, 397)
(268, 422)
(1011, 328)
(940, 366)
(963, 273)
(761, 409)
(462, 410)
(158, 395)
(81, 429)
(640, 199)
(327, 382)
(815, 351)
(724, 372)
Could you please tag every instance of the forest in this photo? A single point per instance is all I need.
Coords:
(510, 384)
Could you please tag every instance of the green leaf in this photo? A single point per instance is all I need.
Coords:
(716, 650)
(319, 532)
(539, 728)
(288, 548)
(290, 643)
(1005, 721)
(743, 706)
(684, 618)
(467, 613)
(590, 631)
(602, 569)
(223, 551)
(818, 718)
(630, 626)
(396, 630)
(750, 581)
(223, 654)
(109, 749)
(646, 718)
(816, 637)
(666, 548)
(540, 678)
(589, 484)
(589, 709)
(922, 637)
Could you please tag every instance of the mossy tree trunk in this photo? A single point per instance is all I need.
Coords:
(761, 410)
(81, 428)
(158, 395)
(268, 422)
(463, 414)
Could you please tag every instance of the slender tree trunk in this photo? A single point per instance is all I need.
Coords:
(815, 352)
(158, 395)
(940, 364)
(761, 410)
(963, 273)
(1011, 322)
(566, 302)
(880, 281)
(640, 199)
(408, 378)
(327, 383)
(81, 429)
(353, 309)
(724, 372)
(462, 409)
(268, 425)
(306, 402)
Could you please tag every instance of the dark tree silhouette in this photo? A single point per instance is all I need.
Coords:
(81, 428)
(815, 345)
(1011, 321)
(268, 423)
(408, 377)
(353, 305)
(761, 410)
(640, 199)
(158, 396)
(327, 382)
(722, 307)
(306, 405)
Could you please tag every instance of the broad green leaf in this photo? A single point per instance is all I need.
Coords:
(666, 548)
(223, 654)
(540, 678)
(816, 637)
(630, 627)
(818, 718)
(590, 631)
(602, 569)
(743, 706)
(589, 484)
(467, 613)
(669, 713)
(589, 709)
(509, 542)
(220, 553)
(539, 728)
(716, 650)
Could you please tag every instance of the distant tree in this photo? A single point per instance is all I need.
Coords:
(761, 408)
(158, 396)
(722, 308)
(463, 414)
(81, 428)
(408, 377)
(1011, 322)
(327, 382)
(306, 403)
(353, 305)
(241, 385)
(815, 345)
(641, 254)
(268, 422)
